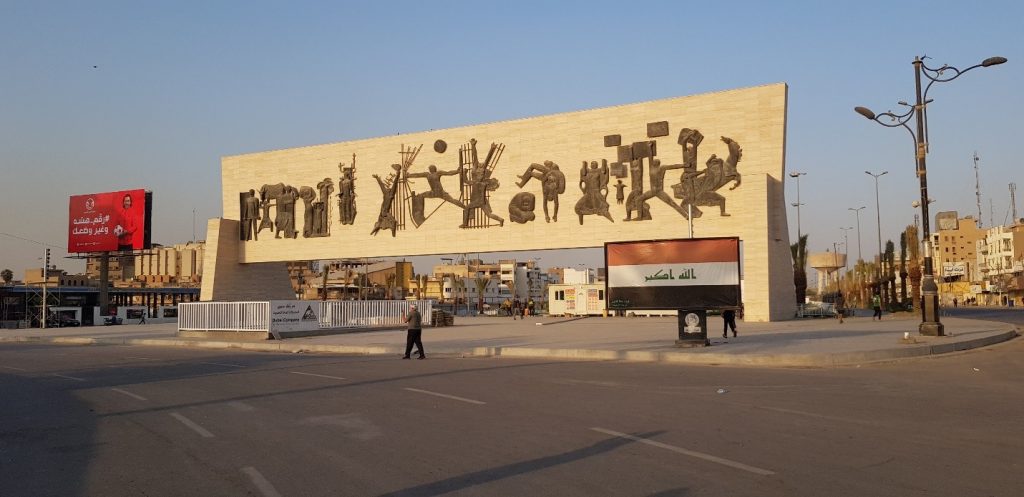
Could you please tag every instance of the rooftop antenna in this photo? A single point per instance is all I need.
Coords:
(1013, 201)
(977, 188)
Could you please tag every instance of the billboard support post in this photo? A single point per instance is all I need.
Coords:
(46, 277)
(104, 282)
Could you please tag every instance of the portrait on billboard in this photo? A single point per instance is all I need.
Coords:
(107, 222)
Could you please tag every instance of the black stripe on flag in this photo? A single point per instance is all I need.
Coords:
(674, 297)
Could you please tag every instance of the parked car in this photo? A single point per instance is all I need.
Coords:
(61, 321)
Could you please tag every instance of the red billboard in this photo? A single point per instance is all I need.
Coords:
(109, 222)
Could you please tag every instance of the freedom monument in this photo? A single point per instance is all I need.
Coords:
(642, 171)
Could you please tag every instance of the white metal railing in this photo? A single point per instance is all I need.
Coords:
(370, 313)
(255, 316)
(224, 316)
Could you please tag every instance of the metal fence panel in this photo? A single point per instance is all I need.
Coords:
(255, 316)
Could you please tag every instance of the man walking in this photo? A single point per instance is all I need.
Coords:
(415, 333)
(729, 318)
(876, 304)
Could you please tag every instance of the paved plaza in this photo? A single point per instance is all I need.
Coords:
(794, 343)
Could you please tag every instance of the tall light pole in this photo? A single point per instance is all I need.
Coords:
(878, 213)
(930, 324)
(846, 243)
(797, 175)
(857, 211)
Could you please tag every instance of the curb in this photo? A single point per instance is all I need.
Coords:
(824, 360)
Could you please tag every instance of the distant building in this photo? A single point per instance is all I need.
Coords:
(506, 279)
(180, 265)
(351, 279)
(1000, 260)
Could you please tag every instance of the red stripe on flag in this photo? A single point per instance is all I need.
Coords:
(673, 252)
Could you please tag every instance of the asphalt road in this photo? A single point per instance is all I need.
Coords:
(113, 420)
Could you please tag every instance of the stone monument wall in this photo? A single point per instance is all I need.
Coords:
(629, 172)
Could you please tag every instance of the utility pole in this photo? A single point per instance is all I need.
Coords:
(46, 277)
(977, 187)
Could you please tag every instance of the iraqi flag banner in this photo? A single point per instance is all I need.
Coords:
(692, 273)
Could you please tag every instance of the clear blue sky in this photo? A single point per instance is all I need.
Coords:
(177, 85)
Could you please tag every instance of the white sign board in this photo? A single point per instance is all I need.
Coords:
(953, 269)
(294, 315)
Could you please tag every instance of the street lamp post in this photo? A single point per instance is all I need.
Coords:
(846, 243)
(857, 211)
(930, 324)
(797, 175)
(878, 213)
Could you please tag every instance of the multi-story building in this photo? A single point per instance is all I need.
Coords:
(1000, 260)
(955, 257)
(179, 265)
(507, 279)
(352, 279)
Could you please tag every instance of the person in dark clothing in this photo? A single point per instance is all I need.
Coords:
(415, 333)
(517, 310)
(729, 319)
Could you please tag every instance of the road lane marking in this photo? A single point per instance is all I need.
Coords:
(68, 377)
(691, 453)
(319, 375)
(132, 395)
(192, 424)
(241, 406)
(261, 483)
(222, 364)
(143, 358)
(453, 397)
(13, 368)
(815, 415)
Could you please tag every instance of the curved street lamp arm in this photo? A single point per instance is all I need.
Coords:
(895, 119)
(935, 74)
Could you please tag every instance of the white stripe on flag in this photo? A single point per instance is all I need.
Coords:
(650, 275)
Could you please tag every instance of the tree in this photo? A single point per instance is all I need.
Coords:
(890, 273)
(915, 265)
(391, 281)
(799, 250)
(422, 284)
(482, 282)
(326, 268)
(458, 286)
(7, 276)
(903, 267)
(512, 288)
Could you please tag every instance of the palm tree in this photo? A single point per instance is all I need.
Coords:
(482, 282)
(419, 287)
(423, 283)
(799, 251)
(890, 276)
(915, 266)
(7, 276)
(458, 286)
(903, 267)
(323, 282)
(391, 282)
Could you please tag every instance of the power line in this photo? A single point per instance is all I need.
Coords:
(37, 242)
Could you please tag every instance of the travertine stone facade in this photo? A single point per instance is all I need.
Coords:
(753, 118)
(226, 279)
